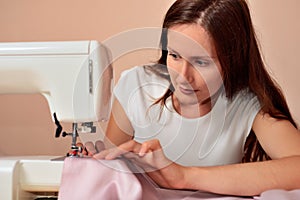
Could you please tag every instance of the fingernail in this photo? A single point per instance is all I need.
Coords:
(141, 154)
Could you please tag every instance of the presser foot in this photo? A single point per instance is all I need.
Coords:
(76, 151)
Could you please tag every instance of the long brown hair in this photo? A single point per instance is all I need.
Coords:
(229, 24)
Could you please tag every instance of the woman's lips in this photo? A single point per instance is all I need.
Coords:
(186, 91)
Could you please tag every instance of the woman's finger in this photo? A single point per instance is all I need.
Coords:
(109, 154)
(118, 151)
(101, 154)
(99, 145)
(149, 146)
(130, 156)
(90, 148)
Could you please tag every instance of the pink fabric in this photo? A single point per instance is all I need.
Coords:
(90, 179)
(87, 178)
(280, 195)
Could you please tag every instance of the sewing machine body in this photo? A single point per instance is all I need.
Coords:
(75, 78)
(30, 177)
(67, 74)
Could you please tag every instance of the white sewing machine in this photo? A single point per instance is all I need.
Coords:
(75, 77)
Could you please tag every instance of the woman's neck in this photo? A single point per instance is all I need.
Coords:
(192, 110)
(197, 109)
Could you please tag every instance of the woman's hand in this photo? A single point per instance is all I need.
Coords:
(148, 155)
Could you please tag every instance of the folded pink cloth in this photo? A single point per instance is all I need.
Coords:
(91, 179)
(280, 195)
(88, 179)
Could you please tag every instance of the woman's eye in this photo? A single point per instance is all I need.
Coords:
(202, 63)
(174, 56)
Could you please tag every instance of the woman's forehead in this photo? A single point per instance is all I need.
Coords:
(190, 40)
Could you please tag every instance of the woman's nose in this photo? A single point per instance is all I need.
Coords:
(186, 71)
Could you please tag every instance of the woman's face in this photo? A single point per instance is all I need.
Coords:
(193, 65)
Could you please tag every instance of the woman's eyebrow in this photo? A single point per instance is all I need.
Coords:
(206, 56)
(170, 49)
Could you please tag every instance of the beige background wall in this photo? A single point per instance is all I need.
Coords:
(25, 121)
(278, 29)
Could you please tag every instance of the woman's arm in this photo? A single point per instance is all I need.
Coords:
(119, 129)
(281, 141)
(279, 138)
(245, 179)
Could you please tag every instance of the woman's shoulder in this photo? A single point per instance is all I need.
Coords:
(244, 96)
(245, 101)
(139, 77)
(139, 84)
(132, 70)
(140, 74)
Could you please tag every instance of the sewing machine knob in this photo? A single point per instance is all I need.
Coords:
(64, 134)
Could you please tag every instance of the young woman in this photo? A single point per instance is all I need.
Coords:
(207, 116)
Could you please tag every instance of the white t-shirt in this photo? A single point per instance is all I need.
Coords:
(216, 138)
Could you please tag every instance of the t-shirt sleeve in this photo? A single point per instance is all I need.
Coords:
(125, 87)
(251, 109)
